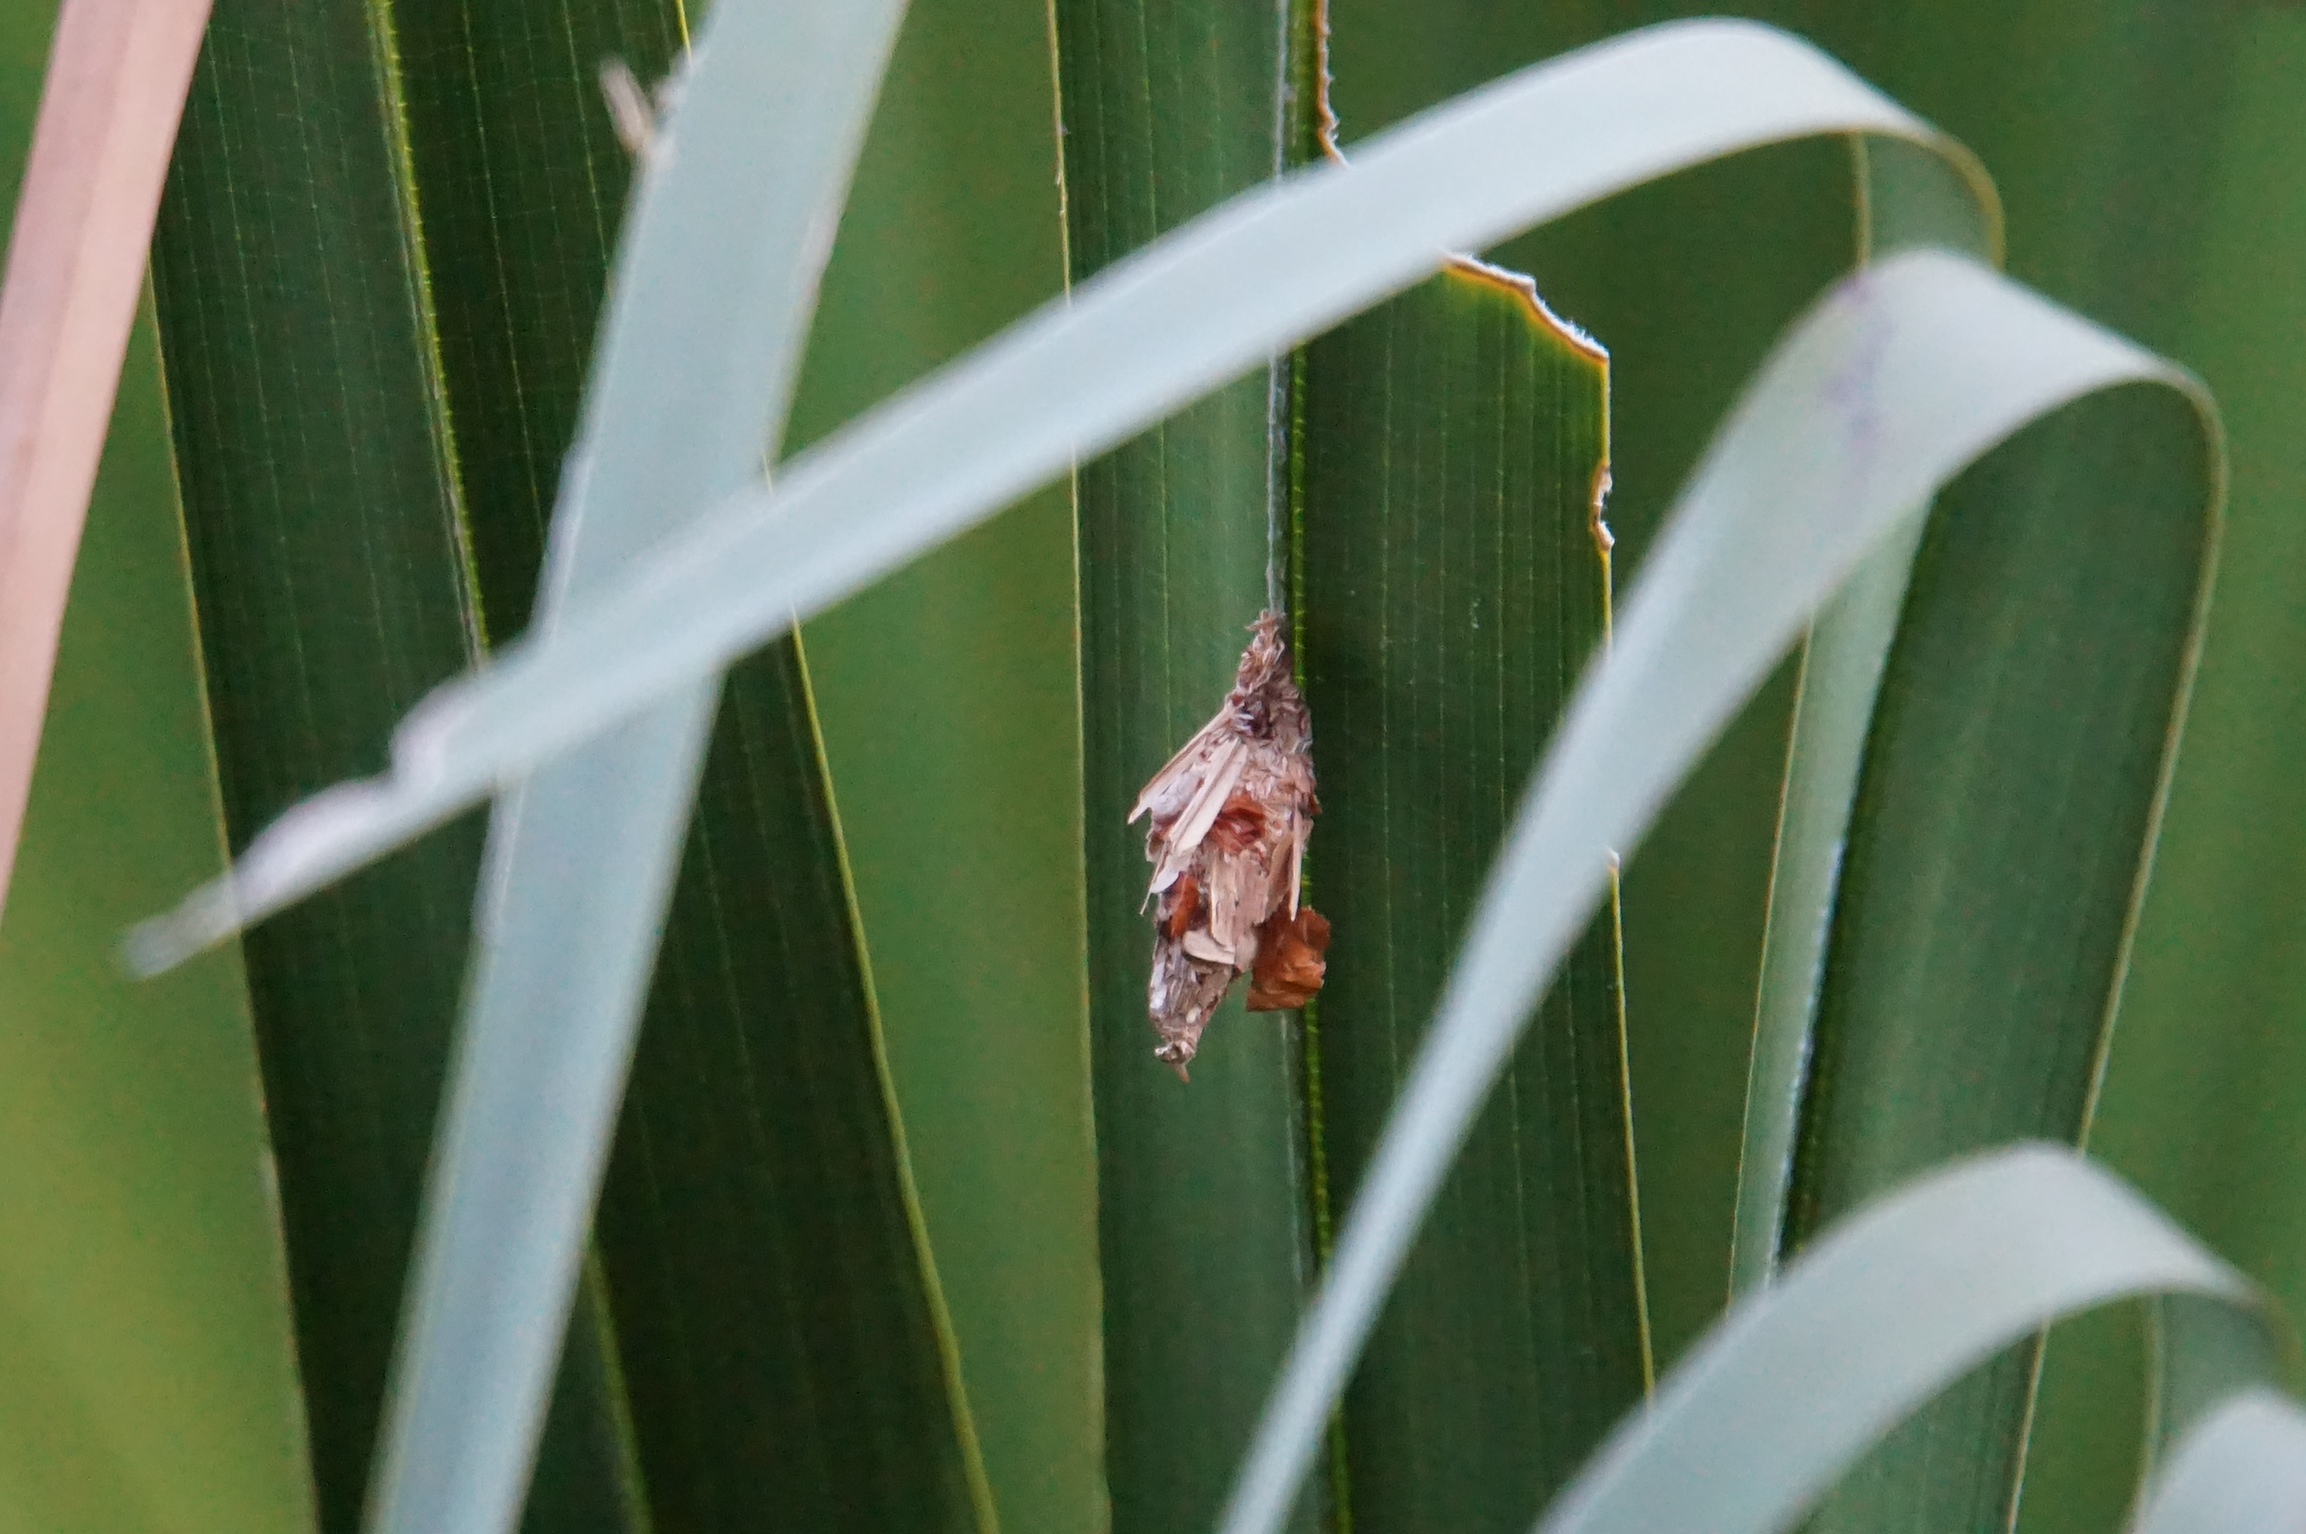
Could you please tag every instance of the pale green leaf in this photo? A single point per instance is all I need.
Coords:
(2242, 1471)
(1879, 1315)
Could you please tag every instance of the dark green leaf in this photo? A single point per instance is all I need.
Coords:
(782, 1340)
(2007, 812)
(1454, 584)
(2206, 1087)
(2111, 198)
(1905, 202)
(1205, 1202)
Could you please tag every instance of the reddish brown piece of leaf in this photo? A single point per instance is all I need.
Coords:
(1230, 816)
(1289, 964)
(117, 77)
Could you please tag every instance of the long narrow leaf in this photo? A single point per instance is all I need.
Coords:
(1167, 110)
(1994, 856)
(1268, 269)
(2015, 762)
(969, 877)
(2005, 822)
(1902, 206)
(518, 180)
(1841, 673)
(2113, 124)
(1454, 581)
(723, 1173)
(2160, 161)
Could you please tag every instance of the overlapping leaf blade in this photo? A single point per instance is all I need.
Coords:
(2166, 200)
(2014, 768)
(1892, 1304)
(2132, 90)
(1688, 281)
(2012, 785)
(1904, 203)
(758, 1096)
(510, 161)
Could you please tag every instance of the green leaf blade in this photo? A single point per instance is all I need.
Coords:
(1165, 114)
(503, 206)
(1906, 201)
(1454, 583)
(786, 1356)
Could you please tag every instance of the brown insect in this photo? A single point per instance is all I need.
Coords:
(1231, 813)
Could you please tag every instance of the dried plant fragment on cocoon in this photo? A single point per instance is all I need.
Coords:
(1230, 816)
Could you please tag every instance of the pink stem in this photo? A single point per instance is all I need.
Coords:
(117, 78)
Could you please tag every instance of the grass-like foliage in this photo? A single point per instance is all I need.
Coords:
(1808, 521)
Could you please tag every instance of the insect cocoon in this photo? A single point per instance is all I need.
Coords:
(1230, 816)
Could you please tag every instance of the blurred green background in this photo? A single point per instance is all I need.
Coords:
(2152, 156)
